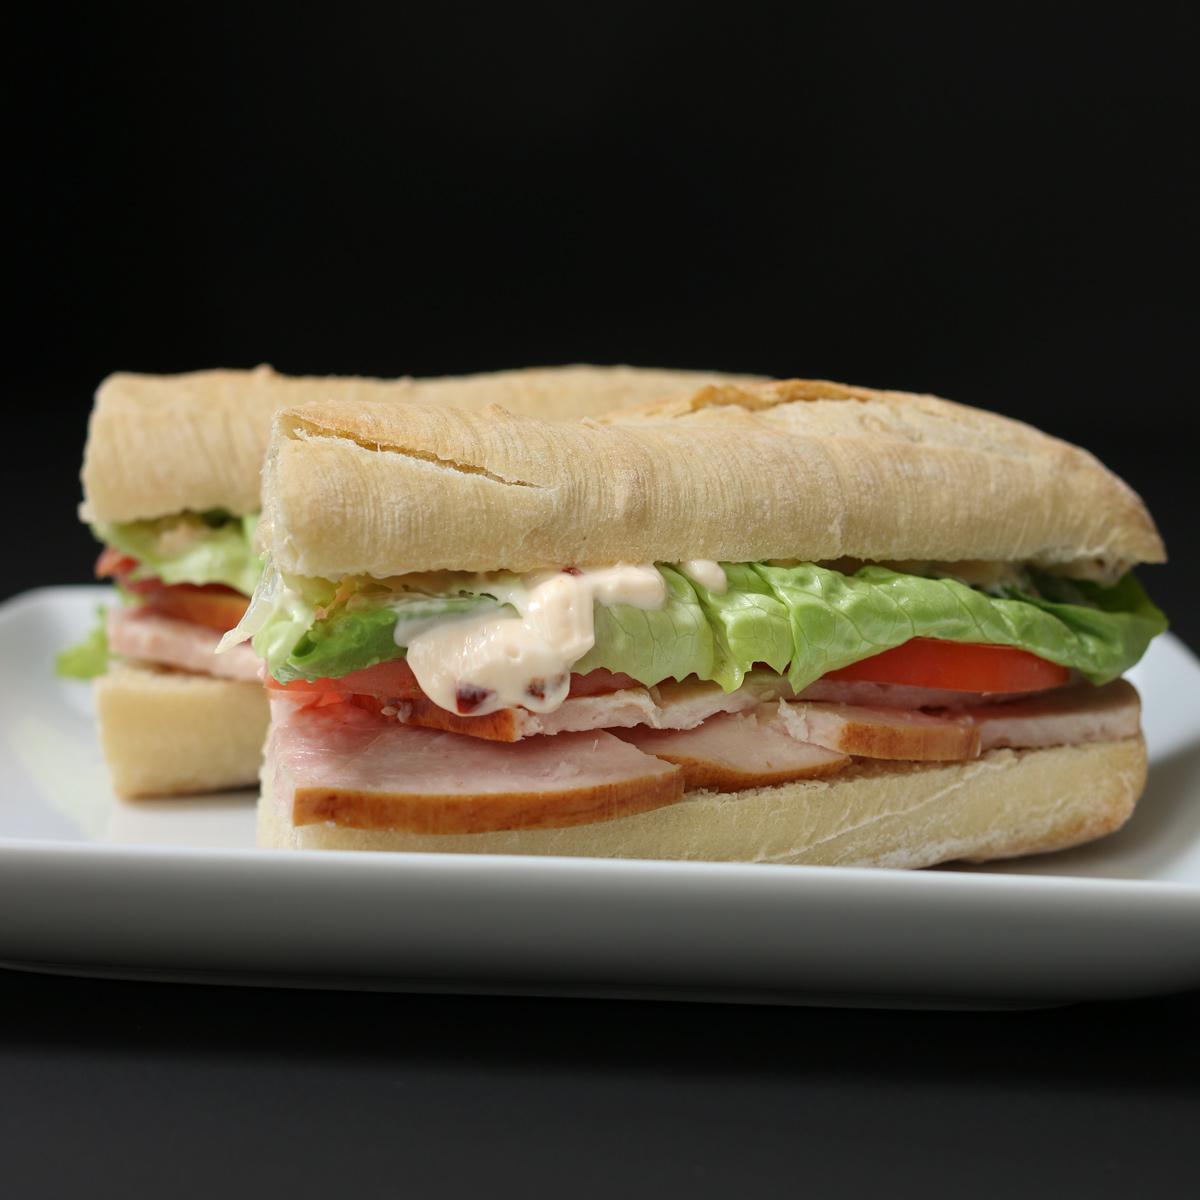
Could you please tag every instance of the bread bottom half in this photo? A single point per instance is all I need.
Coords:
(1003, 804)
(166, 733)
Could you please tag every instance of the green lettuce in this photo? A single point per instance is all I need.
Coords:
(282, 610)
(803, 620)
(838, 619)
(659, 643)
(198, 548)
(312, 629)
(88, 657)
(807, 620)
(351, 638)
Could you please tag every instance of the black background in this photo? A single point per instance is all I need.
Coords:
(994, 203)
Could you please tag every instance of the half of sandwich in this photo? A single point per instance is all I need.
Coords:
(787, 622)
(171, 480)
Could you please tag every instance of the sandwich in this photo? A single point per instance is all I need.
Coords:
(791, 622)
(171, 480)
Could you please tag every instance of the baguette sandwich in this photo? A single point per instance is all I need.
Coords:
(788, 622)
(171, 480)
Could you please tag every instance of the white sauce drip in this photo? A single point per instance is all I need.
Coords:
(707, 573)
(484, 663)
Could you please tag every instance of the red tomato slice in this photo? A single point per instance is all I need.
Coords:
(211, 604)
(957, 667)
(114, 564)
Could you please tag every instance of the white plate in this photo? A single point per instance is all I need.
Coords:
(175, 889)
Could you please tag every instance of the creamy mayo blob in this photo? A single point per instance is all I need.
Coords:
(483, 663)
(706, 573)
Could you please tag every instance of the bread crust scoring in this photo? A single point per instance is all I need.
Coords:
(793, 469)
(159, 444)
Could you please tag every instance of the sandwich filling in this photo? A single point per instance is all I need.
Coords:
(184, 581)
(389, 695)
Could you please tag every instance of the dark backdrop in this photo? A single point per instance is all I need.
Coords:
(993, 203)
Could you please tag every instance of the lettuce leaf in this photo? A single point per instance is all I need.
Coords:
(803, 620)
(837, 620)
(350, 638)
(749, 621)
(283, 609)
(88, 657)
(312, 629)
(197, 548)
(658, 643)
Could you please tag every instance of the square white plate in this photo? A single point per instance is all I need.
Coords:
(175, 888)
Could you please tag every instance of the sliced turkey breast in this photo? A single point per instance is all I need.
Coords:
(670, 705)
(340, 764)
(882, 733)
(1062, 717)
(1057, 717)
(146, 636)
(737, 750)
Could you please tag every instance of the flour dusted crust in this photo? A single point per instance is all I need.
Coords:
(795, 469)
(159, 444)
(167, 733)
(1004, 804)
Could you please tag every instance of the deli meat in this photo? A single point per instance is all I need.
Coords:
(329, 760)
(1058, 717)
(875, 725)
(737, 750)
(882, 733)
(147, 636)
(670, 705)
(1064, 716)
(340, 764)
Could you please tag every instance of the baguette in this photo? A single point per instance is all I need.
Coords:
(796, 469)
(160, 444)
(173, 733)
(715, 481)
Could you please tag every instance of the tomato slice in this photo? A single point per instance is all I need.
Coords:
(211, 604)
(957, 667)
(114, 564)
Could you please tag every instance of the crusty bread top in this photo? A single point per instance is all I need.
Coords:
(159, 444)
(794, 469)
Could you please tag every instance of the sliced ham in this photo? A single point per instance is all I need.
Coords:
(339, 764)
(602, 711)
(1062, 717)
(671, 705)
(882, 733)
(332, 761)
(614, 710)
(1057, 717)
(737, 750)
(146, 636)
